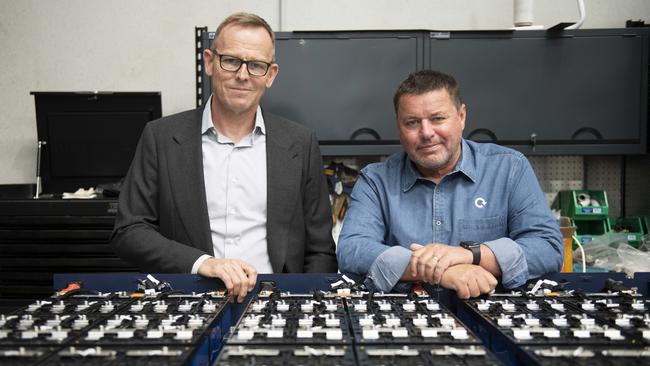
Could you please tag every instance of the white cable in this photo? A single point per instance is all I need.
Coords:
(582, 252)
(538, 284)
(152, 278)
(348, 280)
(583, 15)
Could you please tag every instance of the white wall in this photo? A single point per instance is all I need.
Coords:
(147, 45)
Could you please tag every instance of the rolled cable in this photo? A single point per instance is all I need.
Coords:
(584, 199)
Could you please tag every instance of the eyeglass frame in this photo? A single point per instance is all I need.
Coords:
(241, 63)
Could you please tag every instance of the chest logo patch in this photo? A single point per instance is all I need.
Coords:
(480, 202)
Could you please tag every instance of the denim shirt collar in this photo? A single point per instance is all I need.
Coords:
(466, 165)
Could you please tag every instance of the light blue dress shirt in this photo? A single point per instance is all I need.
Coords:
(492, 197)
(235, 190)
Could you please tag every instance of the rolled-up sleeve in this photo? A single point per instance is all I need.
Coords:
(361, 249)
(512, 261)
(388, 268)
(539, 248)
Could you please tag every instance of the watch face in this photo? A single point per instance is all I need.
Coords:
(469, 244)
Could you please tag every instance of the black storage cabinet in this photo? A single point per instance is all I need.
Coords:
(568, 92)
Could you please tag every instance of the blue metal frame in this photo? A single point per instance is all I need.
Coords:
(210, 347)
(493, 339)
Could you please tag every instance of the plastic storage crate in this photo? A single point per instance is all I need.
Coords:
(586, 230)
(584, 204)
(629, 229)
(645, 223)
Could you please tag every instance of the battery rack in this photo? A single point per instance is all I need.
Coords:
(564, 328)
(350, 328)
(316, 319)
(113, 328)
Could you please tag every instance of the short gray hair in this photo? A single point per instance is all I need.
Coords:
(245, 19)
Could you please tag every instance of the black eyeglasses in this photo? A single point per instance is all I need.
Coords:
(232, 63)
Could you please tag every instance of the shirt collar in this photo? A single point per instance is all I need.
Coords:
(465, 165)
(410, 175)
(207, 125)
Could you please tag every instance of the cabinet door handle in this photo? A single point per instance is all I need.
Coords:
(591, 130)
(365, 131)
(483, 131)
(533, 140)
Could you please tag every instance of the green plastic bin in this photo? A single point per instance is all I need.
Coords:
(628, 229)
(587, 230)
(584, 204)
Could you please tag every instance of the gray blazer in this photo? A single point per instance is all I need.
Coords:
(162, 223)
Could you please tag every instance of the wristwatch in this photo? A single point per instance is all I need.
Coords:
(475, 248)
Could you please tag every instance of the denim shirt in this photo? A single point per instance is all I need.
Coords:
(491, 197)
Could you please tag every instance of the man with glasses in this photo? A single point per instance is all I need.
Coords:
(228, 190)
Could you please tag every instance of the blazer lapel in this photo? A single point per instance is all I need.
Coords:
(283, 176)
(186, 176)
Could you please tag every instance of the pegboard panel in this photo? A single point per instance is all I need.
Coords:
(637, 185)
(557, 173)
(605, 173)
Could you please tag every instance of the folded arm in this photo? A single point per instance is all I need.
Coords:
(362, 249)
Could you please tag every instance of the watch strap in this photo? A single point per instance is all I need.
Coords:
(475, 248)
(476, 252)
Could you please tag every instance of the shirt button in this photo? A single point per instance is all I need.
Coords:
(232, 211)
(438, 222)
